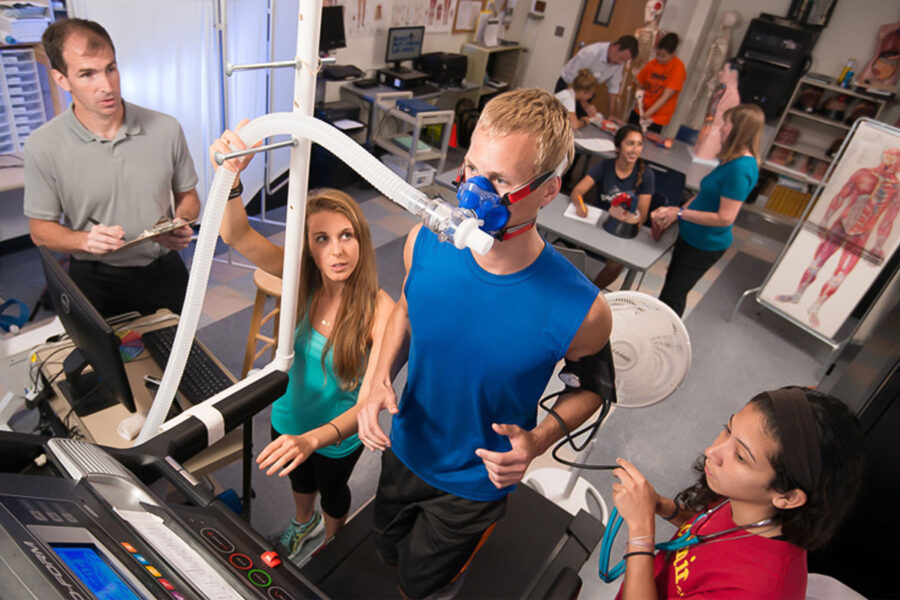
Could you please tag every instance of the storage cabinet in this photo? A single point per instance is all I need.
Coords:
(808, 135)
(493, 69)
(405, 139)
(817, 118)
(22, 104)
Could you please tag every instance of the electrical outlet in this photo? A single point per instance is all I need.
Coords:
(559, 31)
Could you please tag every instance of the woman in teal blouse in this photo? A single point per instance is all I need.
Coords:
(705, 221)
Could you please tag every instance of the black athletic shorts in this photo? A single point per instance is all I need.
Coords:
(328, 476)
(429, 534)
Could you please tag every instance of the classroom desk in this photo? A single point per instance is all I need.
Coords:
(677, 157)
(100, 427)
(637, 254)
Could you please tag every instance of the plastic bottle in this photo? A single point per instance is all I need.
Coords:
(847, 68)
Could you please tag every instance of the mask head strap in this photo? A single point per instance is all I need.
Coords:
(523, 191)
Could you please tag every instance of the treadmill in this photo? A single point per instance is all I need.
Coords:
(78, 521)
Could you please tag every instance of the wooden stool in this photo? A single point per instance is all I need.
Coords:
(267, 286)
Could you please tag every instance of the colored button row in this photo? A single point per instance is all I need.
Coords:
(153, 571)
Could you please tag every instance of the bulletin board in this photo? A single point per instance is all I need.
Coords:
(466, 17)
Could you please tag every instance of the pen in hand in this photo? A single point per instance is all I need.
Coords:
(582, 209)
(96, 222)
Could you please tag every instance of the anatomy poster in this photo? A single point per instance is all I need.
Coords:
(362, 17)
(436, 15)
(846, 238)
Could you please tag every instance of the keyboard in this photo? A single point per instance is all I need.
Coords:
(202, 378)
(425, 88)
(339, 72)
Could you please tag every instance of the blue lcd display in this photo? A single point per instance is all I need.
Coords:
(94, 571)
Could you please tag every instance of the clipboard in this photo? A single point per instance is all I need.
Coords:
(163, 226)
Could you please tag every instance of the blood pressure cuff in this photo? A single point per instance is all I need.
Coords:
(595, 373)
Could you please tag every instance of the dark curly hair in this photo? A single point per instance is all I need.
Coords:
(840, 440)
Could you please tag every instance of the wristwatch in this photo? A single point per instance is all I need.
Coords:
(680, 210)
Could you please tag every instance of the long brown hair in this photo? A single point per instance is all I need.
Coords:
(746, 130)
(351, 337)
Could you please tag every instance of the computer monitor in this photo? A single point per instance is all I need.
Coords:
(404, 43)
(95, 343)
(331, 31)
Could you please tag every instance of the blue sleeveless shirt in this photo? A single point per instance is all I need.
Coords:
(482, 350)
(313, 396)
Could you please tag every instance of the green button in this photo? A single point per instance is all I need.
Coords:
(259, 578)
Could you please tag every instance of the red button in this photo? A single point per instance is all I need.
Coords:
(166, 584)
(270, 558)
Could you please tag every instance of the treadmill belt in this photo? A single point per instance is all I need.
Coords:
(528, 549)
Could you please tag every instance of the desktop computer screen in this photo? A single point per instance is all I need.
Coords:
(331, 31)
(404, 43)
(95, 343)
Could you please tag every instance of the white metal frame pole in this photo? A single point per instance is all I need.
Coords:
(308, 19)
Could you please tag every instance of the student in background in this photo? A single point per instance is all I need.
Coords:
(606, 62)
(625, 173)
(661, 79)
(342, 314)
(704, 222)
(580, 90)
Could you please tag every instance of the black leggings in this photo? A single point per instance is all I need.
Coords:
(328, 476)
(687, 266)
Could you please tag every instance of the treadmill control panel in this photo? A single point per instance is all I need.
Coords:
(259, 570)
(62, 539)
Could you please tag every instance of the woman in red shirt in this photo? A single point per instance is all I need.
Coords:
(775, 483)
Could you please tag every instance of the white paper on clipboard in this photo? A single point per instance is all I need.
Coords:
(596, 145)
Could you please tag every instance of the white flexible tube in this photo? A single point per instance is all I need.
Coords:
(450, 223)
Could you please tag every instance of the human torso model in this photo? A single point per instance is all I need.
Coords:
(646, 35)
(709, 142)
(719, 50)
(883, 69)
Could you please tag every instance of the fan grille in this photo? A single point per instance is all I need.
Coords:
(651, 348)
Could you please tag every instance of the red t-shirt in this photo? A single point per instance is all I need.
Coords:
(752, 567)
(656, 77)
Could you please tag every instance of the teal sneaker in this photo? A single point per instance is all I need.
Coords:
(296, 535)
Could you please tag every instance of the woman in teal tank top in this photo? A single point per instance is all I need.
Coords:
(705, 221)
(341, 317)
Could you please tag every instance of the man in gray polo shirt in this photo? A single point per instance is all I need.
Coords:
(109, 170)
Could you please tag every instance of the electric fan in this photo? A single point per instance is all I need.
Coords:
(651, 352)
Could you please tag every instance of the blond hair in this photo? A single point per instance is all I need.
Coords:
(584, 81)
(746, 130)
(351, 336)
(534, 112)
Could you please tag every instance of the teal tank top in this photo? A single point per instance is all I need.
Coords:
(313, 397)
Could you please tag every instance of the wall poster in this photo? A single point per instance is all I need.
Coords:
(844, 241)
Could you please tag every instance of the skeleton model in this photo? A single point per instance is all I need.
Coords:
(646, 35)
(719, 50)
